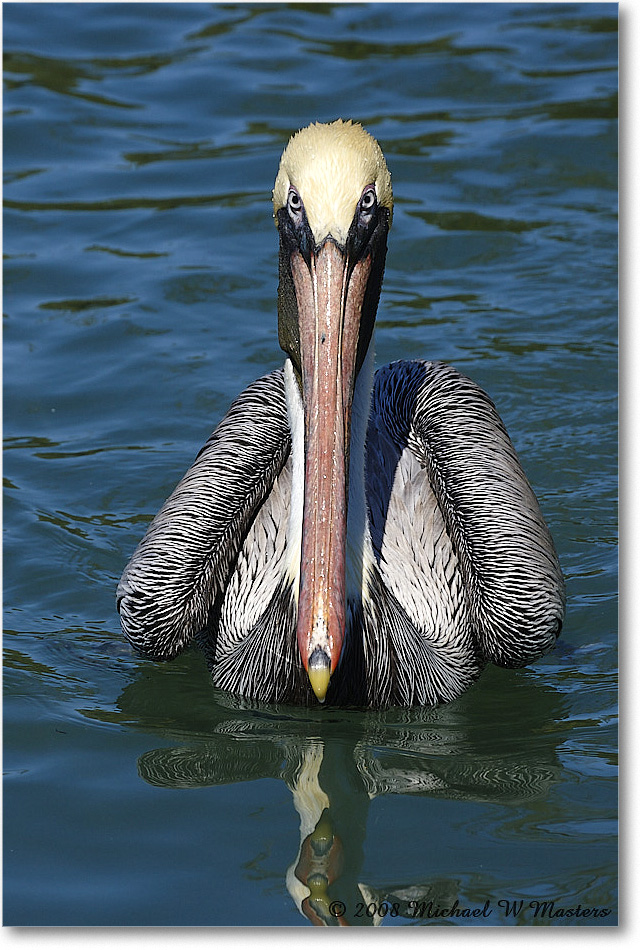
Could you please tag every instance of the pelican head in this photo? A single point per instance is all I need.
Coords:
(333, 209)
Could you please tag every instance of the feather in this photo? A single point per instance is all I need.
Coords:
(460, 567)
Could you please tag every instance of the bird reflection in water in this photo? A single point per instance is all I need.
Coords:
(320, 859)
(335, 768)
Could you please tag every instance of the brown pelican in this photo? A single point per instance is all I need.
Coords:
(369, 538)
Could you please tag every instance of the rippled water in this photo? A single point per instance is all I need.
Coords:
(141, 143)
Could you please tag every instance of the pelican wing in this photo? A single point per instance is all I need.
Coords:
(514, 584)
(184, 559)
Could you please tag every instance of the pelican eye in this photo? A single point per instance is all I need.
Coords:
(368, 202)
(295, 205)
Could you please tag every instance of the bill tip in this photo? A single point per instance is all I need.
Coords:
(319, 673)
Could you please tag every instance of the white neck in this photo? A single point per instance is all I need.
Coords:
(359, 554)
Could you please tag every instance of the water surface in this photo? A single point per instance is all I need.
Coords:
(141, 144)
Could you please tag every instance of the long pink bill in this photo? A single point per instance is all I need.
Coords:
(329, 300)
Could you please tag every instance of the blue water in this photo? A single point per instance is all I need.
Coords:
(140, 148)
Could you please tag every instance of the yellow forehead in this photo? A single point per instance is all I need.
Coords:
(330, 165)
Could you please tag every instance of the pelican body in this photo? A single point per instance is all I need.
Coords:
(363, 538)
